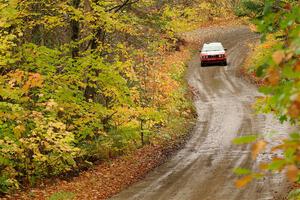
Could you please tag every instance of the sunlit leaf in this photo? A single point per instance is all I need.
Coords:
(292, 173)
(263, 166)
(242, 171)
(273, 76)
(278, 57)
(277, 164)
(245, 139)
(242, 182)
(257, 148)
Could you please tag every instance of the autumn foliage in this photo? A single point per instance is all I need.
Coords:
(88, 80)
(277, 66)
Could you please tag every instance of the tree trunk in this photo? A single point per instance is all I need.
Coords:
(75, 26)
(142, 133)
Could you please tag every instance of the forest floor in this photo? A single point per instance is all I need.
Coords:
(105, 179)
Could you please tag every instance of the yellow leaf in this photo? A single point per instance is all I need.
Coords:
(243, 181)
(18, 130)
(257, 148)
(253, 28)
(278, 57)
(292, 173)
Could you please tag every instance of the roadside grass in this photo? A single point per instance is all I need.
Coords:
(62, 195)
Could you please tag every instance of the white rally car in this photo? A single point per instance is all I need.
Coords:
(213, 53)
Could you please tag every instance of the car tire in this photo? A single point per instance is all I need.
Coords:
(203, 64)
(224, 63)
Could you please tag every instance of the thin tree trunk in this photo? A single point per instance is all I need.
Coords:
(75, 30)
(142, 133)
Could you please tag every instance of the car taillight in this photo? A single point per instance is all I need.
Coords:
(204, 56)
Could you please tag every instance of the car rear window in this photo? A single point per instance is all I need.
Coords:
(212, 48)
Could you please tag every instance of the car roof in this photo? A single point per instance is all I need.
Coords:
(213, 46)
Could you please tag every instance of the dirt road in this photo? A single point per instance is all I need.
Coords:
(203, 169)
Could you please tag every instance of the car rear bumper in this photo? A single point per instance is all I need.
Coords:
(208, 60)
(211, 61)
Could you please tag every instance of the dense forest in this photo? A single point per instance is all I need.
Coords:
(85, 80)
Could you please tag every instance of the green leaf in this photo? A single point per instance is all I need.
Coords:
(283, 118)
(266, 90)
(295, 136)
(289, 155)
(294, 194)
(260, 70)
(276, 165)
(245, 139)
(242, 171)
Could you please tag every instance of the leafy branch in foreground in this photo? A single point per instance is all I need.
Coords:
(280, 74)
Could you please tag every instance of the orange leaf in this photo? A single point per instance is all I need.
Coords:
(278, 57)
(292, 173)
(278, 147)
(276, 159)
(243, 181)
(257, 148)
(297, 67)
(273, 76)
(289, 56)
(294, 110)
(263, 166)
(297, 99)
(288, 6)
(34, 80)
(26, 86)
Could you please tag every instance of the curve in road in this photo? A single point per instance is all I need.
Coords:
(203, 169)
